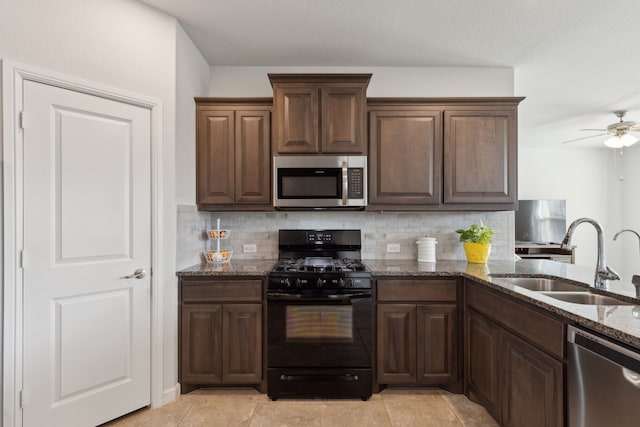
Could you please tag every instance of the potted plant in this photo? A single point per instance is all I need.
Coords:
(477, 242)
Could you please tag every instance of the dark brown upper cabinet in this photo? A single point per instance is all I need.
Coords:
(319, 113)
(233, 154)
(443, 153)
(480, 155)
(405, 156)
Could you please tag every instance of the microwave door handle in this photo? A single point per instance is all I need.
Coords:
(345, 183)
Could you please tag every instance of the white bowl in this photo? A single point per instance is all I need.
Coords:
(216, 257)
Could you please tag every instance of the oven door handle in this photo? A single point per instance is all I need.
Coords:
(297, 297)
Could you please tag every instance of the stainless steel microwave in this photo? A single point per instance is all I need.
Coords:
(317, 182)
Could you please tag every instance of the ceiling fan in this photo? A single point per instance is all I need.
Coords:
(621, 132)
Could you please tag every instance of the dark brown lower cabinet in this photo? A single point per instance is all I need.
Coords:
(482, 364)
(417, 343)
(220, 341)
(533, 386)
(519, 383)
(396, 344)
(201, 344)
(437, 360)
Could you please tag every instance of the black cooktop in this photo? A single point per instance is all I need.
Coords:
(319, 265)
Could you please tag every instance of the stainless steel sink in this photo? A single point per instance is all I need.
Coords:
(540, 284)
(585, 298)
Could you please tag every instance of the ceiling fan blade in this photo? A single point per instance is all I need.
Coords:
(584, 137)
(596, 130)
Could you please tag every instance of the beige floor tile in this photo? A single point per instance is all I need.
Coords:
(354, 414)
(223, 412)
(399, 393)
(288, 413)
(393, 407)
(471, 414)
(421, 410)
(168, 415)
(207, 394)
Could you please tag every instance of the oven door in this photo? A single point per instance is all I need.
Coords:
(321, 329)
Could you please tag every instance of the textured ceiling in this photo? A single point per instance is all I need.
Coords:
(575, 61)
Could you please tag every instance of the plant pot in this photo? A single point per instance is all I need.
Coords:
(477, 253)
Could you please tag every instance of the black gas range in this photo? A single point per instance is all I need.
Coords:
(319, 272)
(319, 317)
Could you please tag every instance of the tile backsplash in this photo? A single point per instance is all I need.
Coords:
(378, 229)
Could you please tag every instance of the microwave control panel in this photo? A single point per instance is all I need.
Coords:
(355, 183)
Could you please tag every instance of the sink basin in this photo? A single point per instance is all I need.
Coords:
(540, 284)
(585, 298)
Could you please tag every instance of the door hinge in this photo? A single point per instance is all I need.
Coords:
(21, 399)
(21, 259)
(21, 120)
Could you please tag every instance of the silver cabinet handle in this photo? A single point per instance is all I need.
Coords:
(138, 274)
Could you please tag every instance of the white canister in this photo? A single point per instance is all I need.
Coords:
(427, 249)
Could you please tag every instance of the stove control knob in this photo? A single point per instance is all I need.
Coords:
(298, 283)
(319, 282)
(286, 283)
(341, 283)
(349, 283)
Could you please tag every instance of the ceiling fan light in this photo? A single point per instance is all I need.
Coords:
(614, 142)
(628, 140)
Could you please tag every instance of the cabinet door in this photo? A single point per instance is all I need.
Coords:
(405, 158)
(200, 343)
(480, 156)
(482, 359)
(253, 157)
(437, 358)
(343, 120)
(296, 122)
(215, 156)
(396, 343)
(242, 352)
(532, 386)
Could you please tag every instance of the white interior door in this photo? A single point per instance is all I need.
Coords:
(87, 225)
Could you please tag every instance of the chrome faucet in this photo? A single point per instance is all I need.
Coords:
(636, 278)
(626, 229)
(603, 272)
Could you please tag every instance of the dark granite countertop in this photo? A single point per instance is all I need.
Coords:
(240, 267)
(618, 321)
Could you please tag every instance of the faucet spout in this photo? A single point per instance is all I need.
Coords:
(627, 230)
(603, 272)
(636, 278)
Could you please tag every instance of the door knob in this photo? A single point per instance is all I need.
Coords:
(138, 274)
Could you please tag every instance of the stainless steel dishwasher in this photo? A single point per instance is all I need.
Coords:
(603, 379)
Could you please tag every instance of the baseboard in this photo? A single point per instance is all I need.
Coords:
(171, 394)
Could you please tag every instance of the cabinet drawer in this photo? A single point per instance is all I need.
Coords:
(538, 328)
(221, 290)
(416, 290)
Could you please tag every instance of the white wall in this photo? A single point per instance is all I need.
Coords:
(192, 79)
(117, 43)
(587, 180)
(385, 82)
(630, 212)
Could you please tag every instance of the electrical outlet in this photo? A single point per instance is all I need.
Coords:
(249, 248)
(393, 247)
